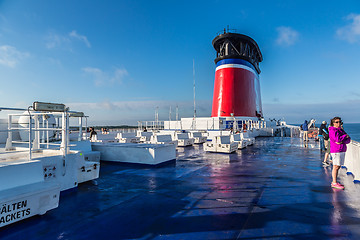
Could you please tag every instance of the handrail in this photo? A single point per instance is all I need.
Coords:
(35, 125)
(352, 159)
(13, 109)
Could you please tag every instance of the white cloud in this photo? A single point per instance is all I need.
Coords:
(95, 71)
(82, 38)
(129, 112)
(10, 56)
(54, 40)
(351, 31)
(55, 61)
(102, 78)
(286, 36)
(97, 74)
(131, 105)
(119, 75)
(3, 20)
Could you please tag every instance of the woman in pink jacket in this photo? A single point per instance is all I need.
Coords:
(338, 140)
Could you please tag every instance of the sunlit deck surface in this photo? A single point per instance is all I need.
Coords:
(276, 189)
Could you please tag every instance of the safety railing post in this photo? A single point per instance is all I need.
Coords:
(47, 133)
(30, 137)
(63, 135)
(67, 132)
(80, 128)
(8, 146)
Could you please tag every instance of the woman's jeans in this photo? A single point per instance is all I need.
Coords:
(322, 145)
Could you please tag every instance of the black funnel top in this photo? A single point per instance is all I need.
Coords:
(235, 45)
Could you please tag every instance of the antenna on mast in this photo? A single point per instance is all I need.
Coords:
(156, 117)
(194, 119)
(194, 88)
(170, 114)
(177, 112)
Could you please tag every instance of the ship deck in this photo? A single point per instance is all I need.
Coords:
(276, 189)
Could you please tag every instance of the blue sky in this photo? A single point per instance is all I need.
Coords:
(119, 60)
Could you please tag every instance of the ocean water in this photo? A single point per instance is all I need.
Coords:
(353, 129)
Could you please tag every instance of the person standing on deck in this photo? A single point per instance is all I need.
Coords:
(305, 129)
(338, 140)
(93, 134)
(323, 132)
(327, 151)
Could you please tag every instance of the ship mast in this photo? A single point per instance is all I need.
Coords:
(194, 88)
(194, 119)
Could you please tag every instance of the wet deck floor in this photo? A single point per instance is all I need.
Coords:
(276, 189)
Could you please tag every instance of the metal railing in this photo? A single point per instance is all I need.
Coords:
(36, 132)
(352, 159)
(151, 125)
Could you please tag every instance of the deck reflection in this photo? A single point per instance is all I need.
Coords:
(275, 189)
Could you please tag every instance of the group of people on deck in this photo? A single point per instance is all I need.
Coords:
(305, 130)
(333, 141)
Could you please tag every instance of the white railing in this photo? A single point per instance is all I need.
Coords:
(151, 125)
(36, 127)
(352, 159)
(205, 124)
(294, 131)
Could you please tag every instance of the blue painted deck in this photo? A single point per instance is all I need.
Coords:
(276, 189)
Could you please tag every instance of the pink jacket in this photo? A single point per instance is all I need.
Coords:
(338, 135)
